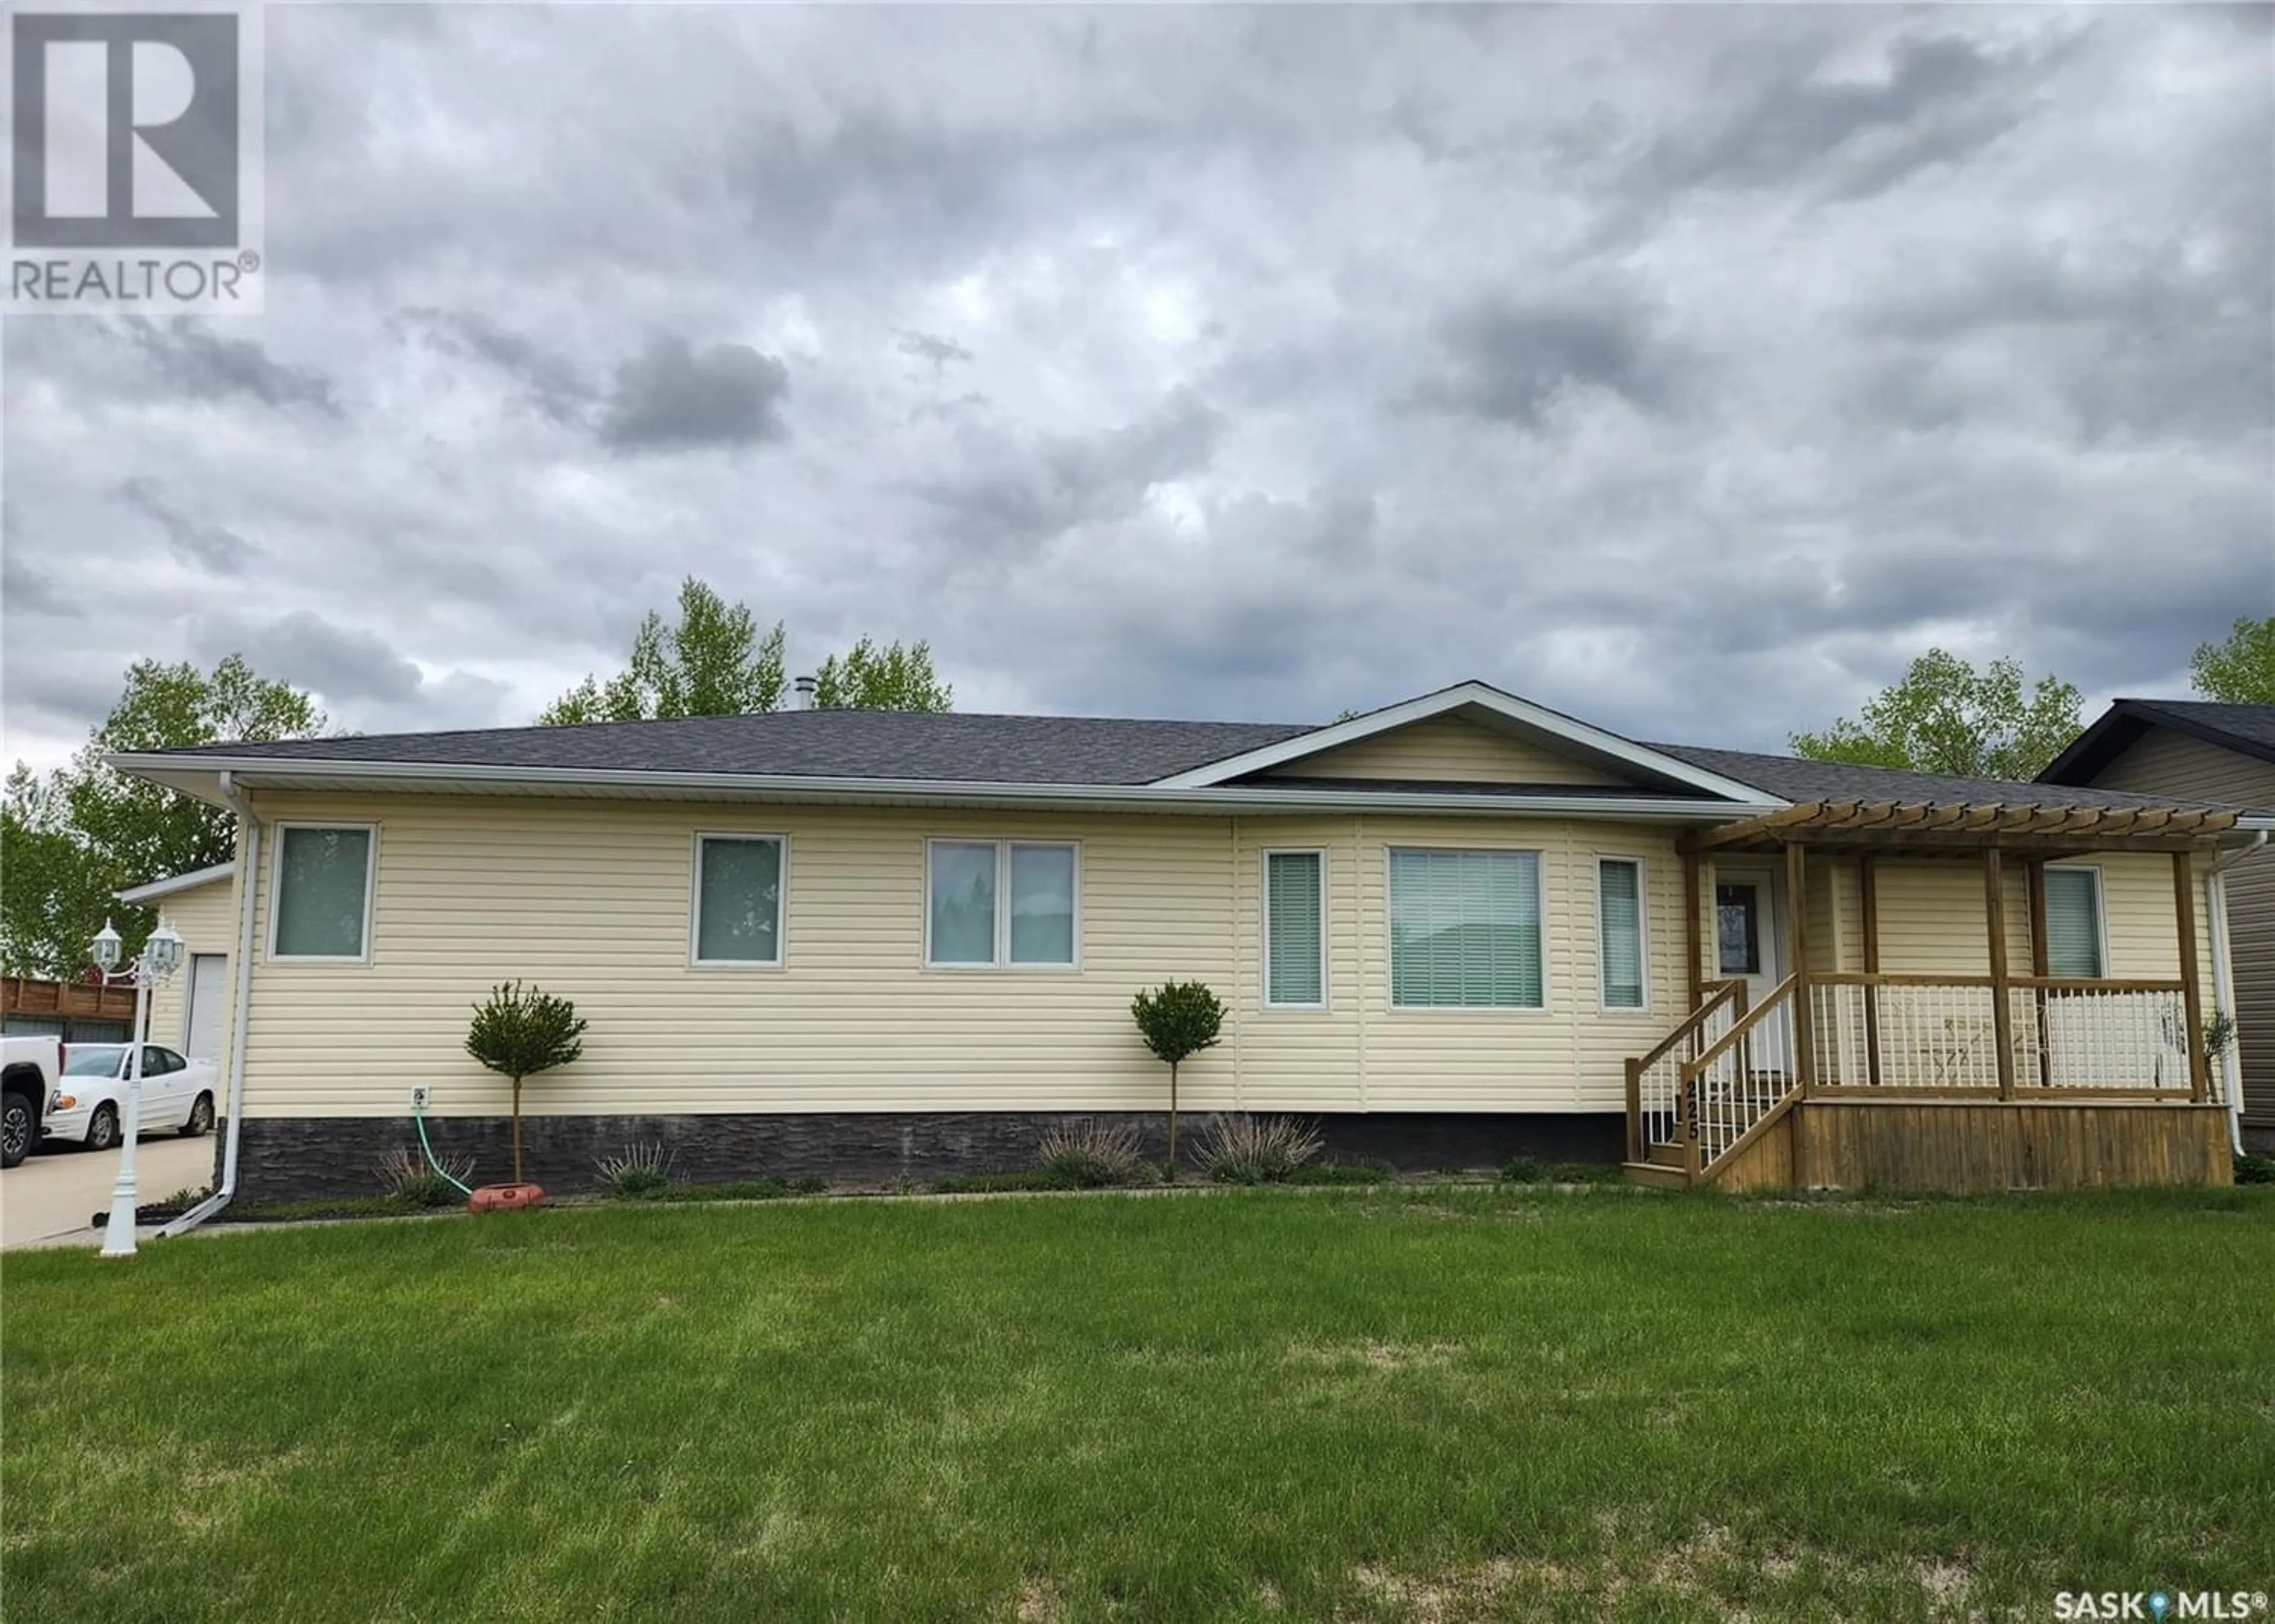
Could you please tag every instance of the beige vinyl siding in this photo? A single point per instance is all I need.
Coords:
(2163, 762)
(1447, 749)
(591, 899)
(205, 917)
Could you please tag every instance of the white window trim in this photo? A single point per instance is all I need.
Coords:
(1546, 1005)
(2100, 907)
(1001, 964)
(1264, 909)
(1642, 866)
(277, 890)
(695, 961)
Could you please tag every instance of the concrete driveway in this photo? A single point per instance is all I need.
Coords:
(48, 1200)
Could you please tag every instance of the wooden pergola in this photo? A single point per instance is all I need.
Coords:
(1988, 832)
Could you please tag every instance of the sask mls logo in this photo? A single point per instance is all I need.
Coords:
(135, 161)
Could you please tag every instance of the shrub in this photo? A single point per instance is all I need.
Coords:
(1523, 1170)
(2255, 1169)
(405, 1173)
(1344, 1173)
(635, 1170)
(1257, 1149)
(1177, 1022)
(998, 1184)
(740, 1190)
(518, 1034)
(1089, 1154)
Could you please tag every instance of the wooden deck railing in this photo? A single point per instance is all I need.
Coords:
(1740, 1083)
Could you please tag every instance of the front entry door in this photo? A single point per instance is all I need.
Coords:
(1750, 942)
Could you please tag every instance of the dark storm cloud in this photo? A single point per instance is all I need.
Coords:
(549, 381)
(1688, 369)
(192, 359)
(1510, 361)
(215, 548)
(1013, 496)
(670, 397)
(939, 352)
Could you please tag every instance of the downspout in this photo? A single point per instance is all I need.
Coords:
(2223, 980)
(248, 888)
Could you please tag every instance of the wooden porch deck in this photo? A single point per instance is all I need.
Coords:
(1963, 1082)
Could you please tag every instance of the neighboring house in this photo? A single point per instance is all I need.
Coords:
(189, 1010)
(2218, 753)
(869, 944)
(86, 1011)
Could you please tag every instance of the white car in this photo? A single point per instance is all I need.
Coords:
(89, 1104)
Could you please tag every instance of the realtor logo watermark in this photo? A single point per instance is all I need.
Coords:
(135, 176)
(2160, 1606)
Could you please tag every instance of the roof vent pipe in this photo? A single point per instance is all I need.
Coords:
(804, 686)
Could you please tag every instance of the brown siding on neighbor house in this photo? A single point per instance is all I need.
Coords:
(2164, 762)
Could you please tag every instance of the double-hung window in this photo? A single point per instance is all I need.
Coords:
(738, 900)
(1294, 939)
(2074, 923)
(1619, 930)
(1465, 930)
(321, 887)
(992, 904)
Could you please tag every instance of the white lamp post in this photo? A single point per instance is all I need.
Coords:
(162, 954)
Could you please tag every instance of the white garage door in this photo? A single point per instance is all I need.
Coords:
(208, 982)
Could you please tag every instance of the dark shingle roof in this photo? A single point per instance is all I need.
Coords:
(2248, 729)
(965, 747)
(953, 746)
(1797, 779)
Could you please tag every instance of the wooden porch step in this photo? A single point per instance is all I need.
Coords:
(1656, 1174)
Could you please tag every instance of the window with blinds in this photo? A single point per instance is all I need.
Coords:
(1465, 930)
(1619, 928)
(2074, 922)
(323, 893)
(1295, 942)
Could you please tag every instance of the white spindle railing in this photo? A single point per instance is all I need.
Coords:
(1660, 1089)
(1943, 1035)
(1736, 1087)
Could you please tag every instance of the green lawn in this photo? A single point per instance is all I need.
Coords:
(1449, 1404)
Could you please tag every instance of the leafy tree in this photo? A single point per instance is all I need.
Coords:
(713, 662)
(2241, 670)
(1947, 717)
(518, 1033)
(1177, 1022)
(892, 678)
(76, 835)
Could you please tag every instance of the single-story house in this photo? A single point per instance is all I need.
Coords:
(869, 943)
(2219, 752)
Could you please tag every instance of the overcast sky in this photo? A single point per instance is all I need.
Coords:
(1689, 369)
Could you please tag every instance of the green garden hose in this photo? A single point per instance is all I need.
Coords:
(418, 1120)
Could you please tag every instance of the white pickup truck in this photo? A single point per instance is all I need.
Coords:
(28, 1070)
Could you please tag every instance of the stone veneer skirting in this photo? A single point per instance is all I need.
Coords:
(288, 1157)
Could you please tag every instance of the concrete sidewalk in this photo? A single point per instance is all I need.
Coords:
(50, 1199)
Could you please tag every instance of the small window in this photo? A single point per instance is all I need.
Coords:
(1738, 930)
(1465, 930)
(738, 899)
(1295, 944)
(2074, 931)
(1618, 929)
(323, 893)
(991, 903)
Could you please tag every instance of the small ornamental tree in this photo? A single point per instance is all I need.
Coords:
(1177, 1022)
(520, 1033)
